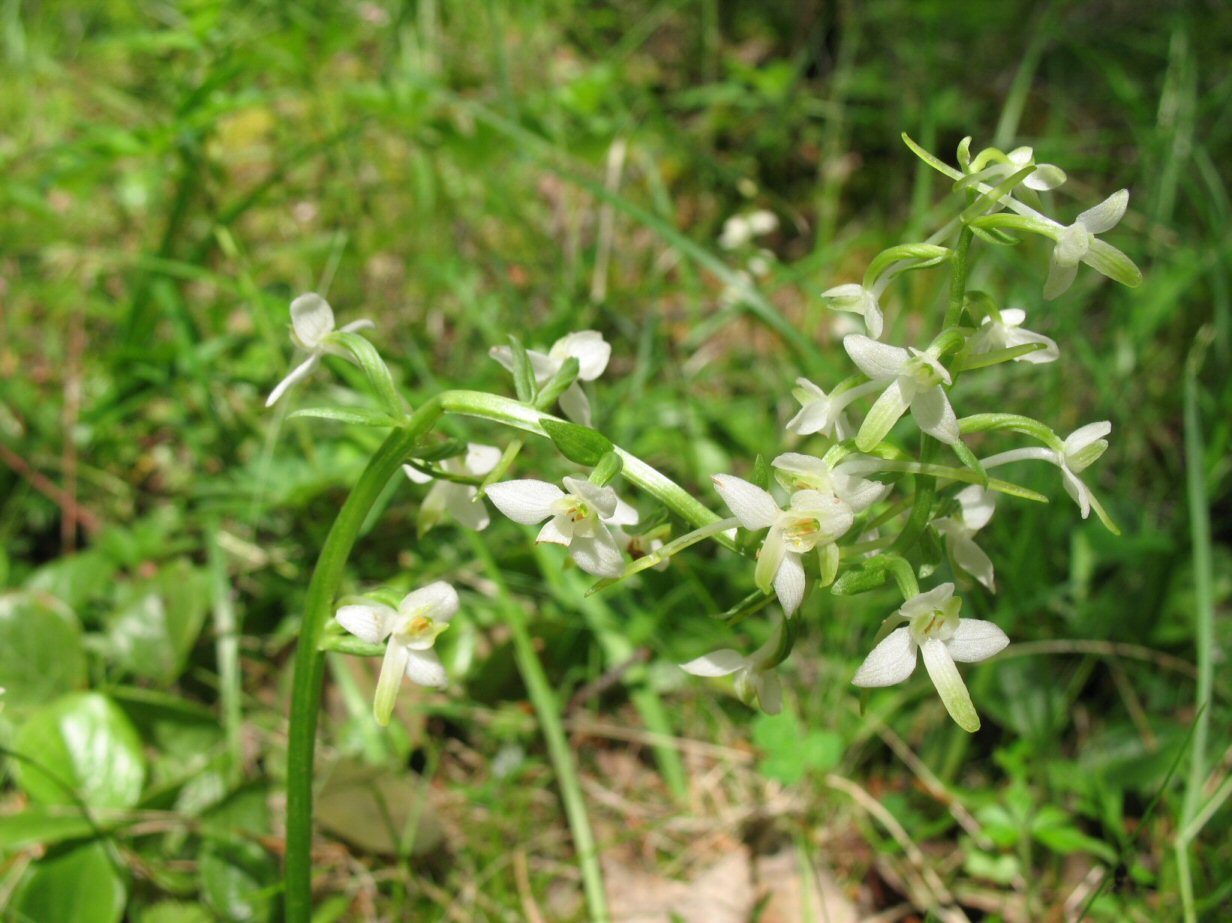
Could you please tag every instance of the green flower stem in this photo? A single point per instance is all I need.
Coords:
(310, 660)
(958, 285)
(323, 591)
(635, 471)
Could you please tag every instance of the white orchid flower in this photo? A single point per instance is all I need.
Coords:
(976, 506)
(934, 629)
(1077, 243)
(823, 413)
(638, 546)
(813, 519)
(757, 683)
(1006, 333)
(914, 380)
(412, 630)
(312, 321)
(807, 472)
(854, 298)
(592, 353)
(1080, 449)
(739, 230)
(1046, 176)
(458, 500)
(579, 518)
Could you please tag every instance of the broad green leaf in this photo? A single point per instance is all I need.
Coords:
(175, 912)
(41, 650)
(358, 415)
(238, 879)
(81, 884)
(75, 579)
(579, 444)
(157, 622)
(36, 824)
(82, 745)
(379, 811)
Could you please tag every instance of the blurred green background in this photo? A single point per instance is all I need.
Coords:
(174, 173)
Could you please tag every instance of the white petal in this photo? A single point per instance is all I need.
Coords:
(1060, 277)
(936, 598)
(526, 501)
(975, 640)
(438, 601)
(878, 361)
(769, 691)
(503, 355)
(890, 662)
(393, 666)
(1010, 317)
(416, 476)
(1018, 337)
(1077, 490)
(369, 622)
(932, 411)
(754, 507)
(789, 583)
(971, 558)
(857, 492)
(625, 515)
(298, 373)
(770, 558)
(424, 667)
(882, 416)
(949, 683)
(312, 319)
(589, 348)
(601, 499)
(557, 531)
(1105, 215)
(721, 663)
(362, 324)
(598, 554)
(481, 459)
(977, 505)
(802, 469)
(459, 500)
(575, 405)
(1084, 436)
(814, 417)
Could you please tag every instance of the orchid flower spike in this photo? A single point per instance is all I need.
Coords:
(757, 683)
(458, 500)
(1077, 243)
(812, 520)
(976, 506)
(579, 518)
(412, 630)
(592, 353)
(1007, 332)
(312, 321)
(913, 380)
(934, 629)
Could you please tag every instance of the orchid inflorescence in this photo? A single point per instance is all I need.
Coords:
(845, 507)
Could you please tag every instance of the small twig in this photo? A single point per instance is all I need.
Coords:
(949, 909)
(607, 680)
(40, 482)
(72, 412)
(522, 876)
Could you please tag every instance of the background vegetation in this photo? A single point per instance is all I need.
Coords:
(171, 175)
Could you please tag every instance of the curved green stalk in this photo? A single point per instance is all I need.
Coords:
(310, 660)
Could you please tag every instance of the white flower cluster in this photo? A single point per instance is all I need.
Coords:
(846, 511)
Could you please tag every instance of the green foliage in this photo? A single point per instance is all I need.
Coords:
(172, 178)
